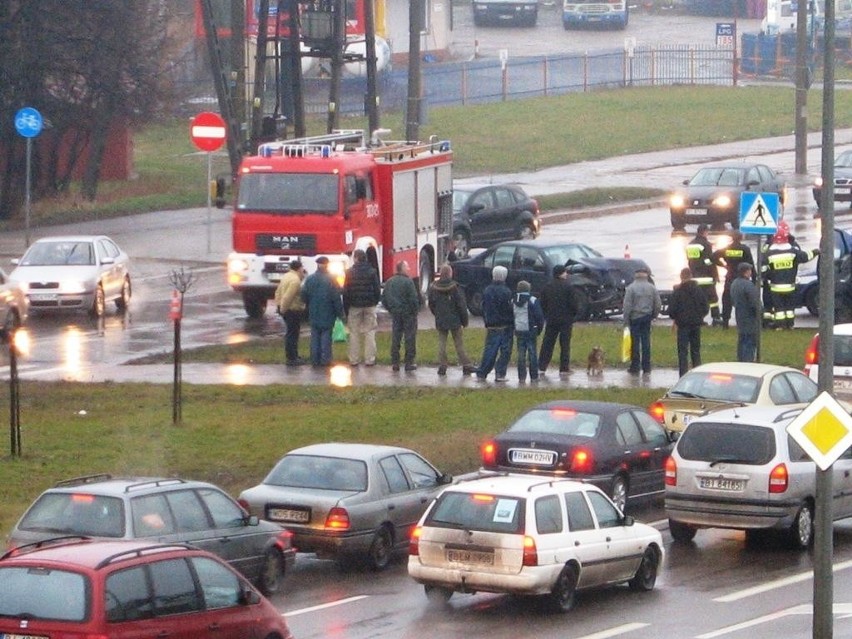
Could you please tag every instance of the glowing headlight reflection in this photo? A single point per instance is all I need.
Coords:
(22, 341)
(72, 349)
(340, 376)
(237, 374)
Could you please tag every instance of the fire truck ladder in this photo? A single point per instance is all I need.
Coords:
(350, 138)
(223, 91)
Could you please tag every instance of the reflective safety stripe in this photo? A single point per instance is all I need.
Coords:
(782, 288)
(733, 253)
(703, 281)
(694, 251)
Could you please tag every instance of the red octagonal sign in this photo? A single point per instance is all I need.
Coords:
(208, 131)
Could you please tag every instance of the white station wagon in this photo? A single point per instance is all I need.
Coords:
(530, 535)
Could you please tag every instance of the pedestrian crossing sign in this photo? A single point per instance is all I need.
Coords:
(759, 213)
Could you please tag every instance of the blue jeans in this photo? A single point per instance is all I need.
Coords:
(320, 346)
(640, 351)
(746, 347)
(497, 352)
(527, 349)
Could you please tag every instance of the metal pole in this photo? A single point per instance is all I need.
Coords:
(415, 26)
(372, 103)
(801, 124)
(209, 203)
(28, 195)
(14, 395)
(823, 520)
(759, 284)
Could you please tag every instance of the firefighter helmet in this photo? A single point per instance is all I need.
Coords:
(782, 233)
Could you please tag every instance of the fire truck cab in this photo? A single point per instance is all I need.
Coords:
(329, 195)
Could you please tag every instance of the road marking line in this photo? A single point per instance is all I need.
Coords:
(778, 583)
(331, 604)
(802, 609)
(613, 632)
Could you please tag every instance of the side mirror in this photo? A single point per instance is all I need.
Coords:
(252, 520)
(15, 261)
(444, 479)
(476, 208)
(248, 597)
(627, 520)
(674, 435)
(107, 260)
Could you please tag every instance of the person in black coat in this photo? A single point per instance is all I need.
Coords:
(688, 306)
(559, 304)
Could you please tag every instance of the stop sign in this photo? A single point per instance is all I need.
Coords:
(208, 131)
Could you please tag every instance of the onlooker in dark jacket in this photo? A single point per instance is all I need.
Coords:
(731, 257)
(529, 320)
(687, 307)
(499, 323)
(402, 301)
(361, 293)
(322, 299)
(747, 308)
(447, 303)
(559, 305)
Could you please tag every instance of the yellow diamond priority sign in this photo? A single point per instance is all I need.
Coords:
(823, 430)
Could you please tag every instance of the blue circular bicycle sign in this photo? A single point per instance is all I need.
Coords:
(28, 122)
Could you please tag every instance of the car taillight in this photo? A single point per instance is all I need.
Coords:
(414, 542)
(581, 461)
(812, 353)
(489, 454)
(530, 552)
(338, 519)
(671, 472)
(778, 479)
(657, 412)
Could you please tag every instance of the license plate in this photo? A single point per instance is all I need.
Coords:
(42, 297)
(532, 457)
(289, 514)
(274, 277)
(470, 557)
(696, 212)
(720, 483)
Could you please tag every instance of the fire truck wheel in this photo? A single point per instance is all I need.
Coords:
(255, 305)
(426, 272)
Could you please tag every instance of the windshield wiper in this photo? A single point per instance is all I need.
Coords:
(731, 460)
(680, 393)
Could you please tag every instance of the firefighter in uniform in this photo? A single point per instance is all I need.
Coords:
(730, 258)
(780, 268)
(699, 257)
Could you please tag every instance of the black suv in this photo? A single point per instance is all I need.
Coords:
(484, 214)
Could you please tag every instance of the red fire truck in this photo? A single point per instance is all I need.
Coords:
(329, 195)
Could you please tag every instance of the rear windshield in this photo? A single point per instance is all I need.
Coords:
(720, 386)
(325, 473)
(733, 443)
(558, 421)
(843, 350)
(41, 593)
(489, 513)
(75, 514)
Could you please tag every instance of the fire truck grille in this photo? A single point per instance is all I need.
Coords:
(286, 242)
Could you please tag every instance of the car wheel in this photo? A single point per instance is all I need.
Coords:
(426, 273)
(461, 244)
(812, 300)
(618, 492)
(526, 232)
(474, 303)
(272, 573)
(583, 311)
(681, 532)
(123, 300)
(379, 555)
(99, 305)
(801, 533)
(677, 222)
(437, 595)
(563, 596)
(646, 575)
(254, 304)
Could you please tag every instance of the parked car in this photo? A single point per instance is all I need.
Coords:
(524, 535)
(712, 195)
(842, 180)
(515, 12)
(807, 279)
(81, 272)
(128, 589)
(484, 214)
(718, 385)
(740, 469)
(14, 305)
(163, 510)
(619, 448)
(600, 281)
(842, 372)
(347, 501)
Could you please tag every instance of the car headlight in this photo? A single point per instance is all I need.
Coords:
(237, 265)
(676, 201)
(72, 287)
(723, 201)
(24, 286)
(818, 182)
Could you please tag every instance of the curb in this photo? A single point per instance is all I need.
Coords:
(555, 217)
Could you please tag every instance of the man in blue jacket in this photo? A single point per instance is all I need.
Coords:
(499, 323)
(324, 304)
(529, 318)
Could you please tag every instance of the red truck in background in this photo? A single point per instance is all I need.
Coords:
(331, 194)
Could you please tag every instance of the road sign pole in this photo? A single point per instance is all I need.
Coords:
(209, 203)
(28, 196)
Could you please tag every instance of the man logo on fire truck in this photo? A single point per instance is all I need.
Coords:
(331, 194)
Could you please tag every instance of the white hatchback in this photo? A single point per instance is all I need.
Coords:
(530, 535)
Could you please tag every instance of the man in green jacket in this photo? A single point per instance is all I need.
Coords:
(401, 299)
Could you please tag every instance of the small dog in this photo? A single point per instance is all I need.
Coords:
(595, 361)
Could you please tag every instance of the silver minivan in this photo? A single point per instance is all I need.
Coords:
(739, 469)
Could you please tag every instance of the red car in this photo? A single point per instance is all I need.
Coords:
(73, 587)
